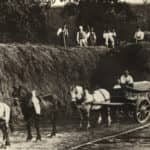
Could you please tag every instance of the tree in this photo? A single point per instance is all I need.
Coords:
(104, 14)
(22, 20)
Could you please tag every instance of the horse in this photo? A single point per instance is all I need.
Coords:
(5, 122)
(33, 107)
(86, 102)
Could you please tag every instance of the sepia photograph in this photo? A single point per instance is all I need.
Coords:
(75, 74)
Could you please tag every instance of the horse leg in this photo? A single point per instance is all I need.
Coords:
(6, 141)
(29, 134)
(88, 117)
(99, 121)
(109, 120)
(4, 137)
(7, 136)
(81, 118)
(54, 116)
(36, 121)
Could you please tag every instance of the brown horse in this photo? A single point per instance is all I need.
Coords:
(47, 104)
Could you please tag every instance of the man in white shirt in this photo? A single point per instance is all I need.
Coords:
(62, 35)
(126, 79)
(108, 37)
(139, 35)
(114, 34)
(111, 38)
(82, 37)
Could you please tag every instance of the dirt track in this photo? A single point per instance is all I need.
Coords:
(67, 137)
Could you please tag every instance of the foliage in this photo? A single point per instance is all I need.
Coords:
(23, 20)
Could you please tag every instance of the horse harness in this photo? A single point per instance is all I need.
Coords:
(103, 95)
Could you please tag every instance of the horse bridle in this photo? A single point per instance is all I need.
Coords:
(80, 101)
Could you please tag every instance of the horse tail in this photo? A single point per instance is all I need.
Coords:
(11, 122)
(58, 104)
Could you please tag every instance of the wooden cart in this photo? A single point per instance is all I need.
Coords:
(135, 100)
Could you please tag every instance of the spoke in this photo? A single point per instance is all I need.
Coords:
(146, 113)
(147, 107)
(142, 115)
(139, 115)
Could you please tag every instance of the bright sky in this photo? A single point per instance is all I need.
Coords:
(60, 3)
(134, 1)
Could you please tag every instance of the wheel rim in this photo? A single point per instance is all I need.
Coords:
(143, 111)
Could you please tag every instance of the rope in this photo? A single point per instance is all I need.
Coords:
(110, 137)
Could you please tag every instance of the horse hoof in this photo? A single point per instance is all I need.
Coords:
(80, 128)
(7, 144)
(88, 127)
(3, 146)
(38, 139)
(51, 135)
(29, 139)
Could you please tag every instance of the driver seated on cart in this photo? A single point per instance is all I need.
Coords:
(126, 80)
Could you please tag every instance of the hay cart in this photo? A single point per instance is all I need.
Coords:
(135, 100)
(132, 101)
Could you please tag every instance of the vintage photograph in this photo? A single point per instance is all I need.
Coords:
(75, 74)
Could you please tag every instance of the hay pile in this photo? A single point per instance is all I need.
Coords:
(50, 69)
(45, 68)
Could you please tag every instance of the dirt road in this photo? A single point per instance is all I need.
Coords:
(67, 137)
(139, 140)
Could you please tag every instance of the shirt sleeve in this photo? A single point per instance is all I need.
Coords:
(77, 37)
(135, 35)
(94, 36)
(59, 31)
(122, 80)
(104, 35)
(130, 80)
(142, 36)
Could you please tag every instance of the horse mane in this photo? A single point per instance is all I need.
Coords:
(26, 93)
(84, 92)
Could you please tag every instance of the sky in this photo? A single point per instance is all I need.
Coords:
(60, 3)
(134, 1)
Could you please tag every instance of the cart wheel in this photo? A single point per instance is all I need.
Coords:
(142, 113)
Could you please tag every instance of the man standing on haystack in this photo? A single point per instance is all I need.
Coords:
(108, 36)
(63, 35)
(82, 37)
(92, 37)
